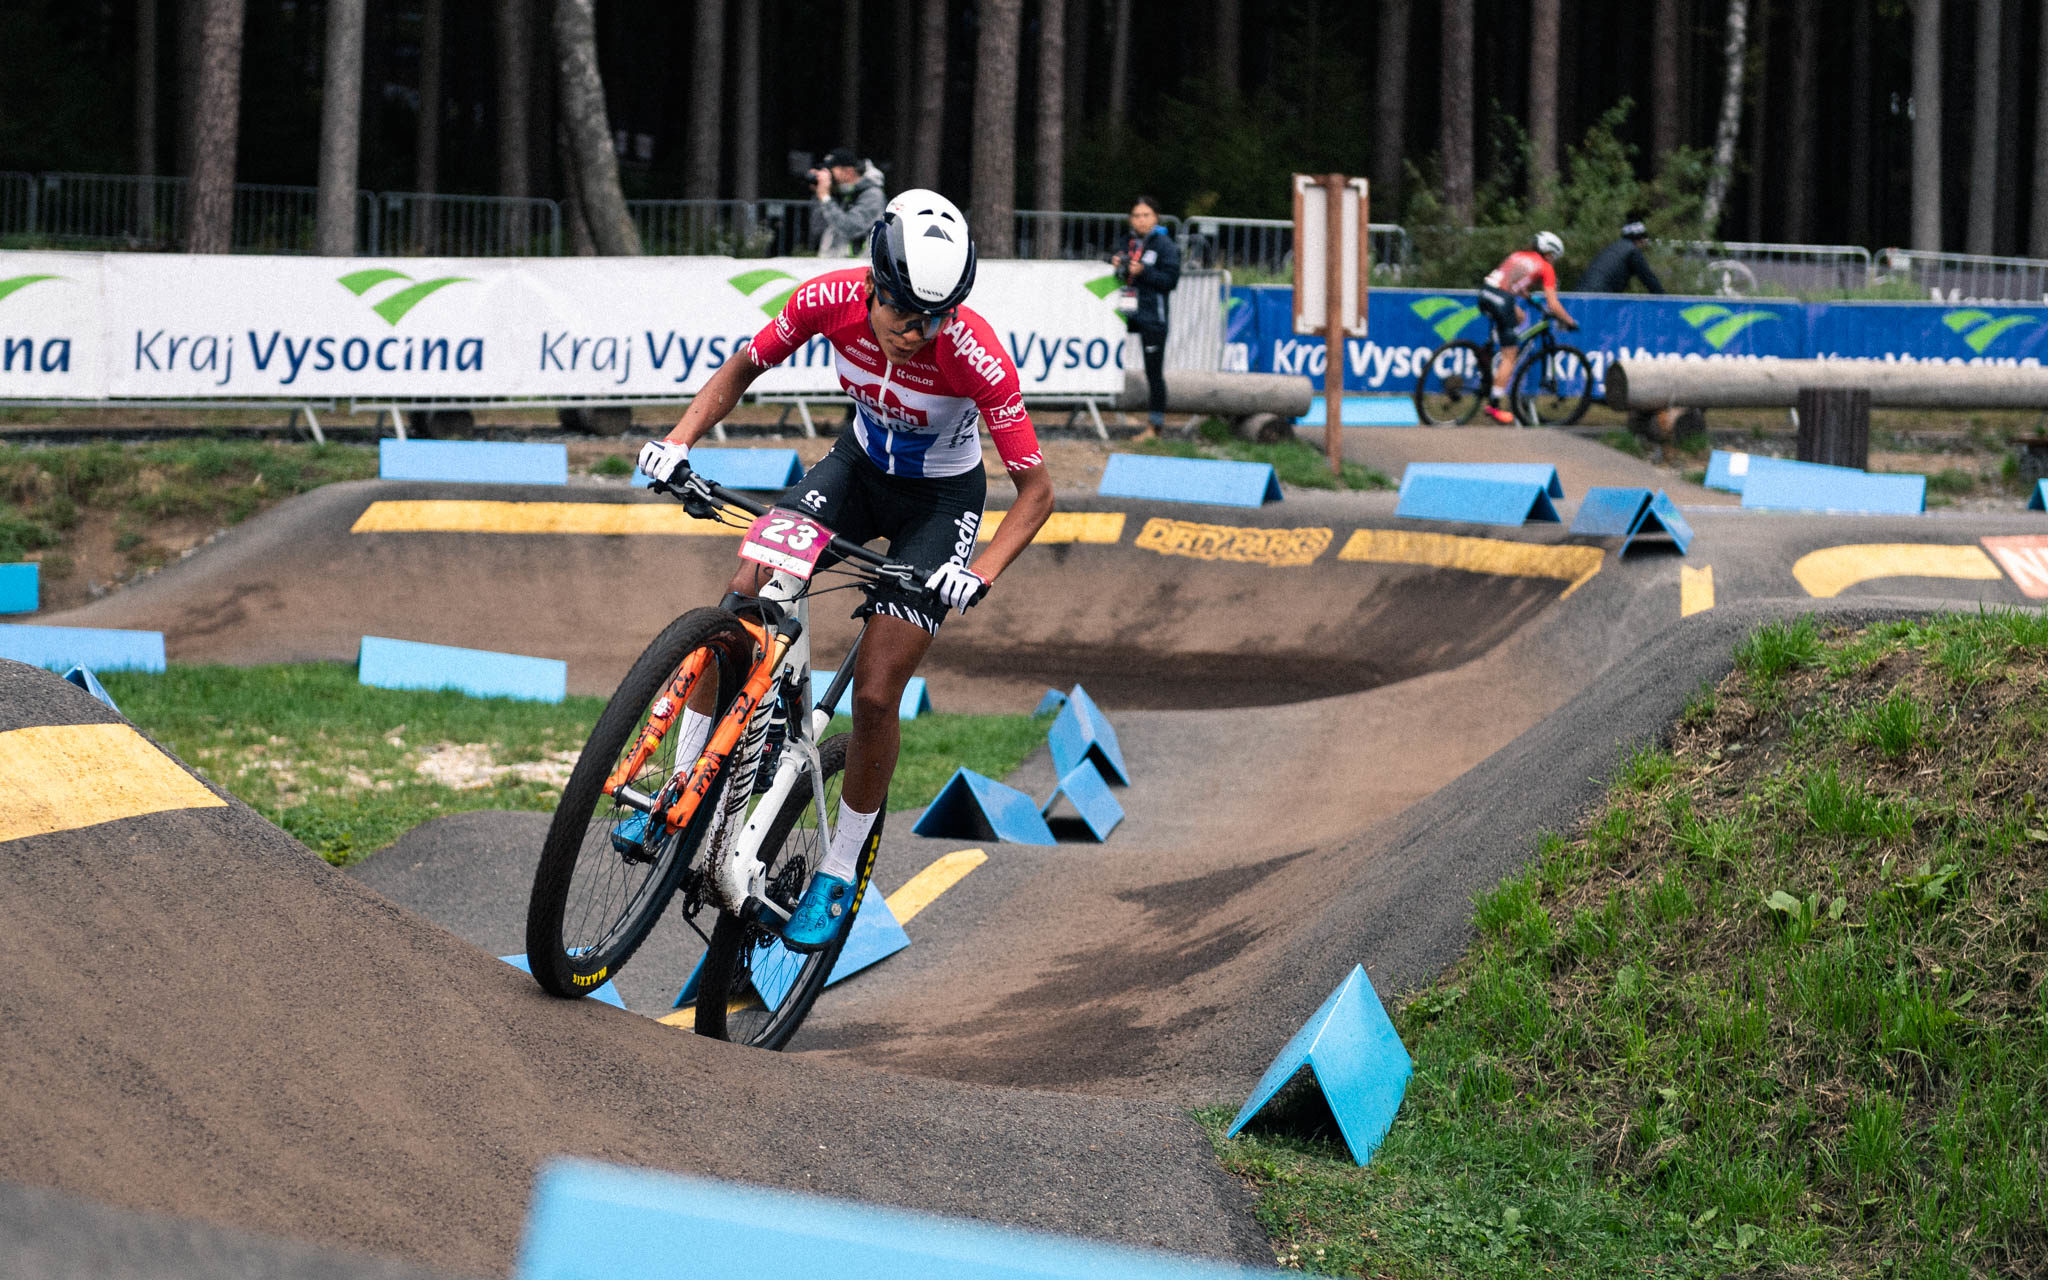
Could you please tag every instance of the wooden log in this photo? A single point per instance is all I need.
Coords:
(1775, 384)
(1834, 427)
(1223, 395)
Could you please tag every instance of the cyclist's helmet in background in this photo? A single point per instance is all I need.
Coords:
(923, 253)
(1635, 231)
(1548, 244)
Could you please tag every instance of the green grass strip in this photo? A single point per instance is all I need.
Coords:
(1778, 1007)
(347, 768)
(1294, 461)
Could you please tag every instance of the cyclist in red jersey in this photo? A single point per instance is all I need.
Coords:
(925, 374)
(1501, 296)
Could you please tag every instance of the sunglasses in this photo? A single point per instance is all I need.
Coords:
(920, 321)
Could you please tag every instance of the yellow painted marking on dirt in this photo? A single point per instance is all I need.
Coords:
(63, 777)
(917, 893)
(1833, 570)
(1255, 544)
(451, 516)
(1695, 589)
(1574, 565)
(922, 889)
(1104, 527)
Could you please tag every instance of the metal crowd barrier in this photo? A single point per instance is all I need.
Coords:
(110, 211)
(17, 204)
(1966, 277)
(737, 228)
(1267, 245)
(416, 224)
(1076, 237)
(1194, 336)
(1740, 269)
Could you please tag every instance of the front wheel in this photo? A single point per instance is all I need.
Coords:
(607, 871)
(1453, 384)
(1553, 388)
(753, 990)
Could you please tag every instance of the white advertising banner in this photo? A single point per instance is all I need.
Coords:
(195, 327)
(52, 332)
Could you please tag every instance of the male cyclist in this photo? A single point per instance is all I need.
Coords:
(925, 373)
(1506, 287)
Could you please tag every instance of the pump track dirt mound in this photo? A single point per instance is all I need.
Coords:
(207, 1021)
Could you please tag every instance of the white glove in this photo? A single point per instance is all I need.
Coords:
(957, 586)
(661, 459)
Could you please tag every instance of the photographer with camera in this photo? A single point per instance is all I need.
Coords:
(849, 191)
(1148, 266)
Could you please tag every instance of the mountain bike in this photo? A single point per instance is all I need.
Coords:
(1550, 385)
(739, 826)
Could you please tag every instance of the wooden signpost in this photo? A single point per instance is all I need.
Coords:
(1332, 256)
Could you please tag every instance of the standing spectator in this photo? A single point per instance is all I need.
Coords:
(1611, 268)
(1149, 267)
(849, 192)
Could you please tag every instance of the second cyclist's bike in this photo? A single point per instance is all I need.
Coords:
(736, 825)
(1550, 385)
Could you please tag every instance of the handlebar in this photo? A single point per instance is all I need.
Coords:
(697, 493)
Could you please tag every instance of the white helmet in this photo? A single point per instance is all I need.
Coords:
(1548, 244)
(922, 253)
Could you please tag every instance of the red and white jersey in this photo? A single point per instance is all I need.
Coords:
(922, 417)
(1523, 270)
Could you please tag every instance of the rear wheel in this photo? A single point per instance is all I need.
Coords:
(1552, 389)
(753, 990)
(607, 871)
(1453, 384)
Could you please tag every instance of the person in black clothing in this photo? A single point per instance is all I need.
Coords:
(1610, 270)
(1149, 267)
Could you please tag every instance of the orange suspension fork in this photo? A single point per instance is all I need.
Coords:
(678, 694)
(727, 735)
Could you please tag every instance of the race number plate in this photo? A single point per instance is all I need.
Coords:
(787, 541)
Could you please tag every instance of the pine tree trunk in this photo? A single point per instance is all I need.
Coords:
(215, 129)
(1545, 18)
(1735, 52)
(1760, 137)
(931, 94)
(1077, 65)
(1390, 122)
(1802, 122)
(1455, 84)
(2037, 235)
(1860, 110)
(995, 127)
(1048, 188)
(427, 133)
(341, 128)
(1119, 61)
(145, 87)
(590, 161)
(1228, 55)
(191, 38)
(1665, 39)
(707, 105)
(849, 74)
(746, 104)
(515, 87)
(1926, 105)
(1984, 132)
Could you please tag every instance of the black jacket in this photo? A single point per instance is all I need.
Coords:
(1161, 257)
(1610, 270)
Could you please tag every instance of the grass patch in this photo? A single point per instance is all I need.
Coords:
(1294, 461)
(347, 768)
(1777, 1007)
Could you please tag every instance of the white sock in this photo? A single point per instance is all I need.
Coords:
(851, 833)
(694, 732)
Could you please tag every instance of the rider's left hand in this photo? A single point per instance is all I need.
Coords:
(957, 586)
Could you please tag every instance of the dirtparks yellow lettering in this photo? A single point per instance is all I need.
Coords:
(1066, 526)
(447, 516)
(1574, 565)
(1276, 548)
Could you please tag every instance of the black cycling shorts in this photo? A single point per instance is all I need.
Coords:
(1505, 314)
(928, 520)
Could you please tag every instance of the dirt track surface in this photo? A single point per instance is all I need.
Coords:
(221, 1027)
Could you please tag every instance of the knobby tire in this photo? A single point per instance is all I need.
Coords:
(1456, 398)
(1547, 395)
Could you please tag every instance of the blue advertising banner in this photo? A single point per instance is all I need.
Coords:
(1407, 324)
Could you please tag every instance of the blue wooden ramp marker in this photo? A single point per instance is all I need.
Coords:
(590, 1219)
(758, 469)
(972, 807)
(1778, 485)
(20, 588)
(102, 648)
(1081, 732)
(1357, 1060)
(473, 461)
(915, 702)
(876, 935)
(2039, 502)
(1228, 484)
(1541, 473)
(86, 680)
(1473, 500)
(1628, 513)
(1051, 702)
(1364, 411)
(606, 994)
(1727, 471)
(409, 664)
(1089, 795)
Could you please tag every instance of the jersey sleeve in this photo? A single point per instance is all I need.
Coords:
(1547, 276)
(796, 324)
(1001, 401)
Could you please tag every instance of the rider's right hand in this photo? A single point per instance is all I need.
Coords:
(662, 459)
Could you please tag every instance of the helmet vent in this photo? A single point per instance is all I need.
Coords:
(929, 232)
